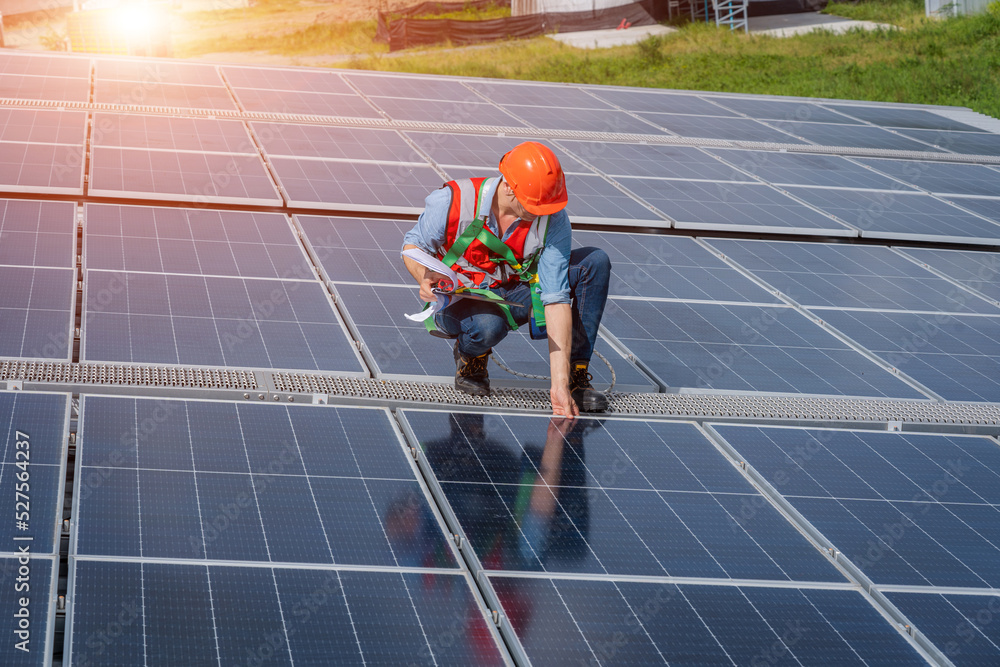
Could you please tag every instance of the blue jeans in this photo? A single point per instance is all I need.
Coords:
(480, 325)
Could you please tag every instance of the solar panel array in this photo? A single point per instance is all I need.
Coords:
(163, 219)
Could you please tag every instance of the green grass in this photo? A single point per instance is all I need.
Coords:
(955, 61)
(467, 13)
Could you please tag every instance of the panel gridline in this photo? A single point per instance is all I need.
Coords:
(975, 270)
(302, 102)
(156, 94)
(357, 249)
(41, 609)
(40, 126)
(607, 622)
(181, 176)
(48, 88)
(213, 321)
(584, 120)
(738, 206)
(745, 348)
(900, 215)
(37, 233)
(275, 78)
(296, 616)
(711, 127)
(178, 134)
(37, 64)
(469, 112)
(606, 497)
(651, 161)
(805, 169)
(482, 152)
(843, 276)
(41, 421)
(971, 143)
(671, 267)
(955, 356)
(941, 177)
(914, 509)
(335, 143)
(190, 241)
(403, 349)
(656, 101)
(156, 71)
(896, 117)
(47, 168)
(775, 110)
(856, 136)
(963, 627)
(223, 481)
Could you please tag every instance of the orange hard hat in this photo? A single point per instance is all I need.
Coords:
(534, 174)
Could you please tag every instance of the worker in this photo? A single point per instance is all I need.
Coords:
(509, 237)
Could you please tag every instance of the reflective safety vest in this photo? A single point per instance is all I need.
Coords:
(481, 258)
(475, 251)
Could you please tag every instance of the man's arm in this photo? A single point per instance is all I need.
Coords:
(559, 326)
(424, 276)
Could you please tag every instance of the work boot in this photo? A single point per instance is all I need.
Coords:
(586, 397)
(472, 376)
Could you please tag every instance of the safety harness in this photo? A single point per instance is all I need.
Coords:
(526, 269)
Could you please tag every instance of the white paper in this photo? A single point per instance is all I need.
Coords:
(434, 264)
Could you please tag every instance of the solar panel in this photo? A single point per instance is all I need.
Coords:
(38, 64)
(732, 206)
(346, 143)
(296, 616)
(658, 101)
(670, 267)
(901, 117)
(49, 169)
(227, 481)
(651, 161)
(534, 94)
(712, 127)
(156, 71)
(181, 176)
(566, 621)
(954, 355)
(34, 646)
(35, 430)
(400, 349)
(154, 93)
(900, 215)
(43, 126)
(54, 88)
(355, 186)
(473, 111)
(941, 177)
(273, 78)
(606, 497)
(193, 241)
(213, 321)
(988, 208)
(808, 169)
(975, 270)
(298, 102)
(165, 132)
(357, 250)
(586, 120)
(917, 509)
(479, 151)
(973, 143)
(37, 233)
(842, 276)
(36, 312)
(861, 136)
(744, 348)
(783, 110)
(961, 626)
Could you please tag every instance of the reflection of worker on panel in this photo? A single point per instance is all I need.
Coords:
(535, 512)
(507, 240)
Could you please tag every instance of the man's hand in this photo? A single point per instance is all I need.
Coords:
(427, 283)
(562, 402)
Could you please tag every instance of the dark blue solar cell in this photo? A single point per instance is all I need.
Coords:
(352, 526)
(291, 522)
(901, 117)
(107, 613)
(955, 623)
(405, 518)
(176, 604)
(862, 136)
(262, 637)
(317, 615)
(219, 438)
(43, 418)
(270, 442)
(373, 442)
(230, 523)
(169, 515)
(972, 143)
(108, 512)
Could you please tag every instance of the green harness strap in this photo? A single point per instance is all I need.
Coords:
(477, 231)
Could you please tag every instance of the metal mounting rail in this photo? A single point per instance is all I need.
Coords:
(267, 385)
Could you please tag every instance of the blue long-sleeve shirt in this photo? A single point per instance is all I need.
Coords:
(553, 264)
